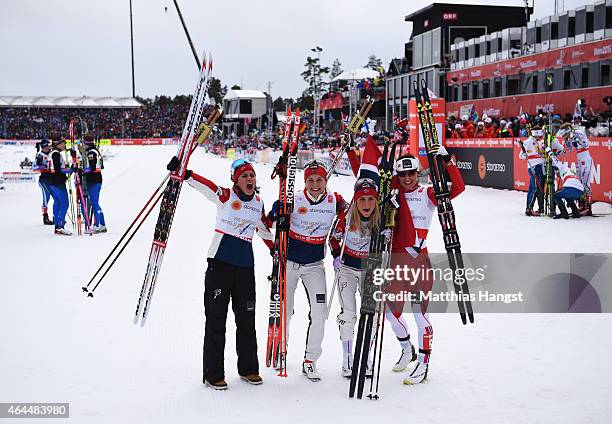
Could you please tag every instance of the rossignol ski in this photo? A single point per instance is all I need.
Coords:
(446, 214)
(276, 347)
(378, 257)
(353, 129)
(171, 194)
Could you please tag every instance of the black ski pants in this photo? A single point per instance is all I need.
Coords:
(222, 282)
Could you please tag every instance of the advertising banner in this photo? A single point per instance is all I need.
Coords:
(488, 167)
(558, 58)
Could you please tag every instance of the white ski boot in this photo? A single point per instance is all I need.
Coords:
(418, 374)
(309, 369)
(407, 356)
(347, 365)
(63, 232)
(99, 229)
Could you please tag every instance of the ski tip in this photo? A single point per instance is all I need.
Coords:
(288, 110)
(297, 111)
(210, 62)
(90, 295)
(85, 289)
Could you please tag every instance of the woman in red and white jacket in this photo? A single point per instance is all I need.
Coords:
(231, 272)
(417, 207)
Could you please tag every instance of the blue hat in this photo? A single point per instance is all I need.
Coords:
(44, 143)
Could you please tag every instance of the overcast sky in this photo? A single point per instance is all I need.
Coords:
(71, 47)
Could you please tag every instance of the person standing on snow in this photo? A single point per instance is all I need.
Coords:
(57, 186)
(314, 211)
(535, 167)
(41, 164)
(418, 204)
(231, 270)
(92, 169)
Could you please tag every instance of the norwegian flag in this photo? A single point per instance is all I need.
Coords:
(369, 161)
(400, 128)
(345, 121)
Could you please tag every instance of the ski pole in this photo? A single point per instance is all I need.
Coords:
(90, 294)
(337, 277)
(85, 288)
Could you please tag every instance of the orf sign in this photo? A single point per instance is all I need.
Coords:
(450, 16)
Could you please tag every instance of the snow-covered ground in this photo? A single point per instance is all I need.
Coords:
(58, 346)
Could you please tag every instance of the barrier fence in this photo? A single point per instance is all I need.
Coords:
(482, 162)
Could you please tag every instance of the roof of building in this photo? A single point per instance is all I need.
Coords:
(428, 8)
(356, 74)
(244, 94)
(69, 101)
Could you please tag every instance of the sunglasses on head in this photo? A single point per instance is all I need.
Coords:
(404, 173)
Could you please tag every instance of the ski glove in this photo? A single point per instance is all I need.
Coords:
(443, 153)
(173, 164)
(337, 263)
(274, 212)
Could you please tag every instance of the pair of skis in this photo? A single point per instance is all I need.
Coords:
(378, 258)
(446, 214)
(194, 133)
(276, 347)
(79, 187)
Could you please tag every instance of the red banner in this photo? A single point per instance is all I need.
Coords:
(560, 102)
(416, 146)
(333, 101)
(557, 58)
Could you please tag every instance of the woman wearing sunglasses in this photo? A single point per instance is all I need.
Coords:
(417, 207)
(231, 272)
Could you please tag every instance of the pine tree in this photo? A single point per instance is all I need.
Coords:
(336, 69)
(216, 90)
(373, 62)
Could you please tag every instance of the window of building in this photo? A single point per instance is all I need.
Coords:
(546, 32)
(390, 93)
(465, 91)
(581, 21)
(584, 80)
(563, 25)
(477, 50)
(514, 85)
(488, 47)
(567, 79)
(486, 89)
(554, 31)
(609, 17)
(590, 18)
(549, 83)
(571, 27)
(497, 87)
(436, 45)
(475, 90)
(246, 106)
(426, 48)
(405, 87)
(538, 34)
(398, 87)
(605, 74)
(534, 82)
(417, 51)
(454, 93)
